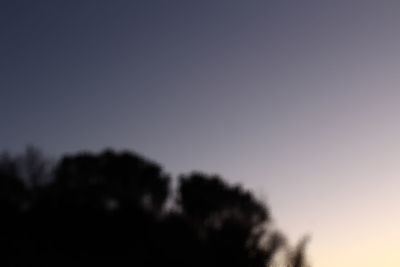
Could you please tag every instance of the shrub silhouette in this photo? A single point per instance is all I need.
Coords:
(110, 209)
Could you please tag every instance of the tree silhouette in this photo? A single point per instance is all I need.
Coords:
(13, 192)
(297, 257)
(109, 182)
(231, 222)
(110, 209)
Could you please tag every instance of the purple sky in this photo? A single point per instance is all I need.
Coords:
(299, 100)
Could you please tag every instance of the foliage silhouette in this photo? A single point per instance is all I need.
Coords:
(110, 209)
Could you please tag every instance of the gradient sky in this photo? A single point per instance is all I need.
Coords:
(298, 100)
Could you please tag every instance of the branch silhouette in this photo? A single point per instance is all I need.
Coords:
(110, 208)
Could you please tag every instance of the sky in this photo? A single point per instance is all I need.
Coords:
(297, 100)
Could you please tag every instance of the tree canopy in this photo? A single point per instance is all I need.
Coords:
(119, 209)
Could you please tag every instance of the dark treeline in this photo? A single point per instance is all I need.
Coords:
(119, 209)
